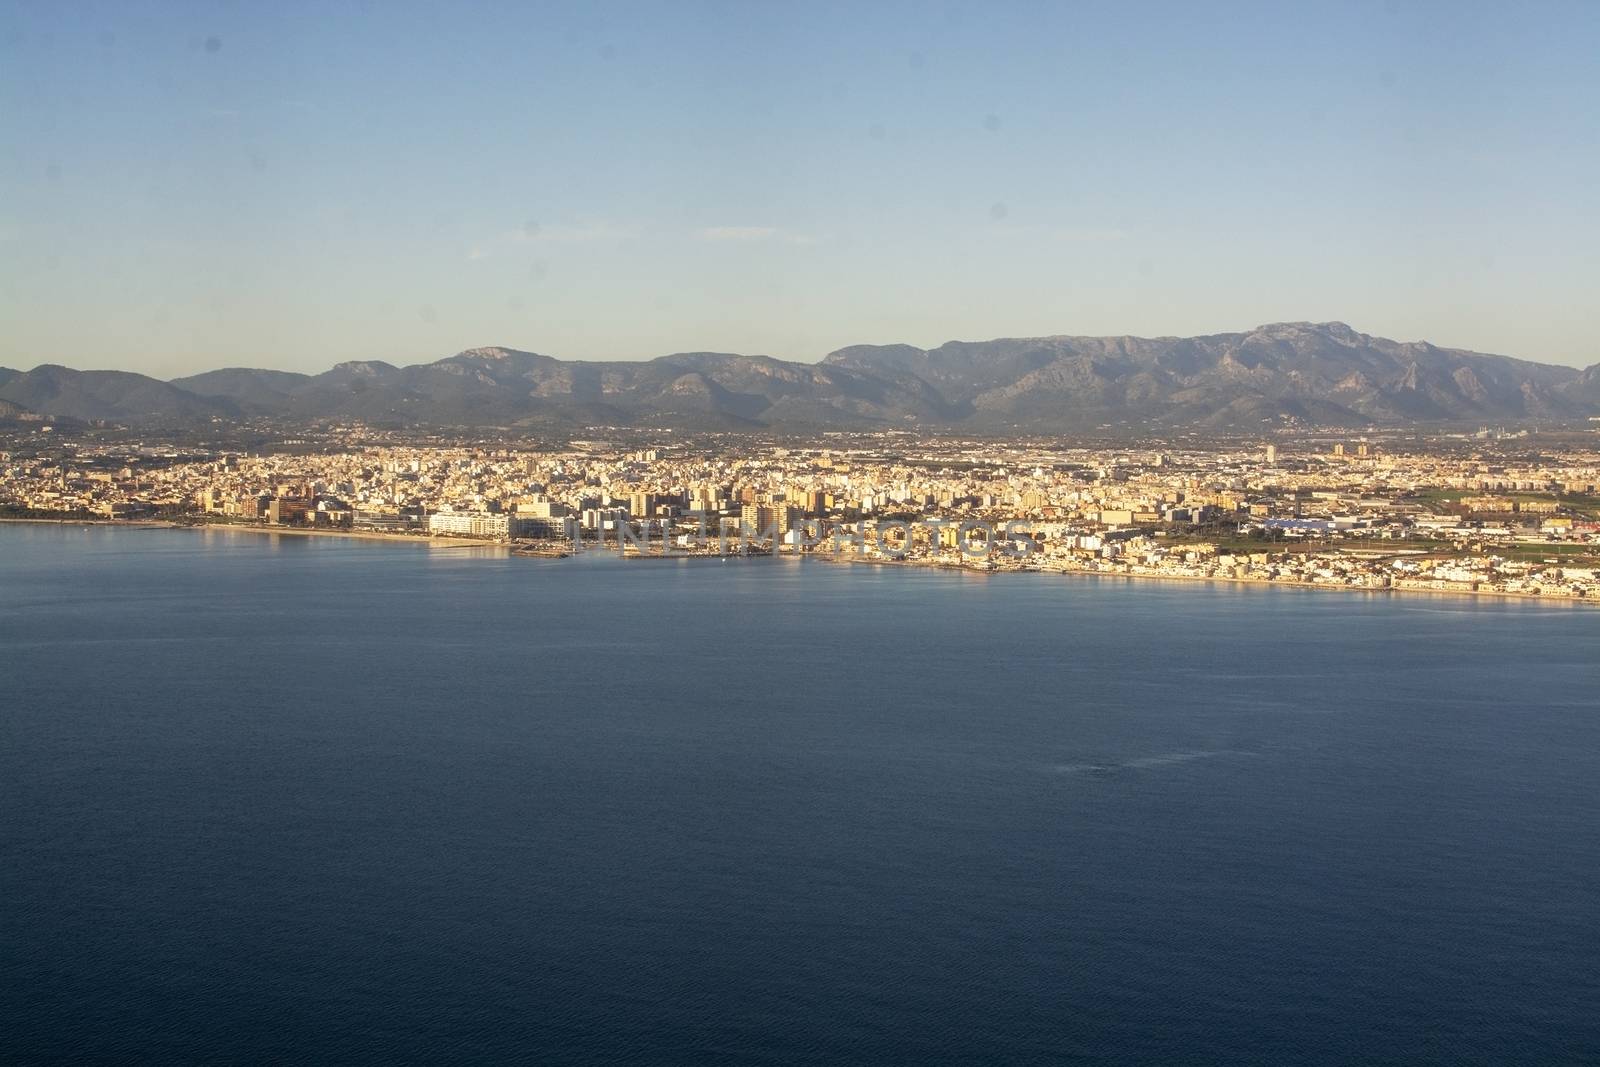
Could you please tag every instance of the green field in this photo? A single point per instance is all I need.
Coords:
(1438, 496)
(1235, 545)
(1586, 505)
(1585, 554)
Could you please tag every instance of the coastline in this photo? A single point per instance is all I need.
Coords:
(275, 531)
(941, 565)
(154, 524)
(355, 535)
(829, 558)
(1323, 587)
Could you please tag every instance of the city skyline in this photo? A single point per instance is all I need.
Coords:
(292, 189)
(1503, 514)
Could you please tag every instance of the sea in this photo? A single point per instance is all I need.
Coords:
(301, 799)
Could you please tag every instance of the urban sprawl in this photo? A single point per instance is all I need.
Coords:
(1486, 514)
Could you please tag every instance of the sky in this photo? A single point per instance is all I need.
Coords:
(290, 185)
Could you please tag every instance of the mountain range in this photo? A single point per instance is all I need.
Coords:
(1307, 373)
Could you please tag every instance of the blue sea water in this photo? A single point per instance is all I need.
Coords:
(290, 799)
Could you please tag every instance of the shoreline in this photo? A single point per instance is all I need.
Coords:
(136, 523)
(430, 540)
(1322, 587)
(354, 535)
(931, 565)
(564, 552)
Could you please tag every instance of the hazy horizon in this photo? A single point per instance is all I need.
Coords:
(187, 187)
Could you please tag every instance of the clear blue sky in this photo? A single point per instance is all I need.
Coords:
(185, 186)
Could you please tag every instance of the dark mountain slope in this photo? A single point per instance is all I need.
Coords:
(108, 394)
(1319, 372)
(1325, 374)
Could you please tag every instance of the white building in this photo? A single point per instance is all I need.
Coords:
(469, 524)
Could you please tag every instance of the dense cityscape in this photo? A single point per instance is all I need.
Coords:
(1487, 512)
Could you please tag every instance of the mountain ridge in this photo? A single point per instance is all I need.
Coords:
(1276, 374)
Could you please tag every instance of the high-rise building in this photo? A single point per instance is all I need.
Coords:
(761, 519)
(644, 505)
(284, 510)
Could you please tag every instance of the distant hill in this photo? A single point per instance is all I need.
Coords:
(108, 394)
(1587, 388)
(1321, 373)
(250, 388)
(1324, 373)
(501, 386)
